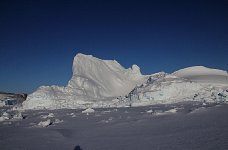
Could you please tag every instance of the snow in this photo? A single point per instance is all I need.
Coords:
(94, 81)
(174, 110)
(103, 78)
(18, 115)
(2, 119)
(2, 103)
(89, 110)
(45, 123)
(72, 115)
(50, 115)
(10, 114)
(6, 116)
(203, 74)
(150, 111)
(163, 88)
(161, 112)
(57, 121)
(98, 83)
(177, 111)
(199, 70)
(192, 126)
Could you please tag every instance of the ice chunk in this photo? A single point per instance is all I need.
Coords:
(174, 110)
(150, 111)
(57, 121)
(18, 115)
(89, 110)
(2, 119)
(50, 115)
(45, 123)
(6, 116)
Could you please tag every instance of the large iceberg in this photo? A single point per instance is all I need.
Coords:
(94, 82)
(105, 83)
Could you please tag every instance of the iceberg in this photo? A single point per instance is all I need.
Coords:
(98, 83)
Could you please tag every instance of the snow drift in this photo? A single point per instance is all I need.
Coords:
(203, 75)
(105, 83)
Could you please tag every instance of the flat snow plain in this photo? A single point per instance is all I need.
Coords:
(183, 126)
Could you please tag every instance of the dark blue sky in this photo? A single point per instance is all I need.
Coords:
(38, 39)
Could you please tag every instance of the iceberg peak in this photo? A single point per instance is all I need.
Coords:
(136, 69)
(103, 78)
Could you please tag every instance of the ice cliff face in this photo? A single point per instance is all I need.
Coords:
(105, 83)
(103, 78)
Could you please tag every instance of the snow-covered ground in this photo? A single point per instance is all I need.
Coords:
(188, 125)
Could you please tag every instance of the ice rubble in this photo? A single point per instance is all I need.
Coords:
(105, 83)
(161, 112)
(162, 88)
(4, 116)
(50, 115)
(11, 115)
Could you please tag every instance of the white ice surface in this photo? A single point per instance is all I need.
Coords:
(162, 88)
(192, 127)
(203, 74)
(105, 83)
(94, 81)
(44, 123)
(88, 110)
